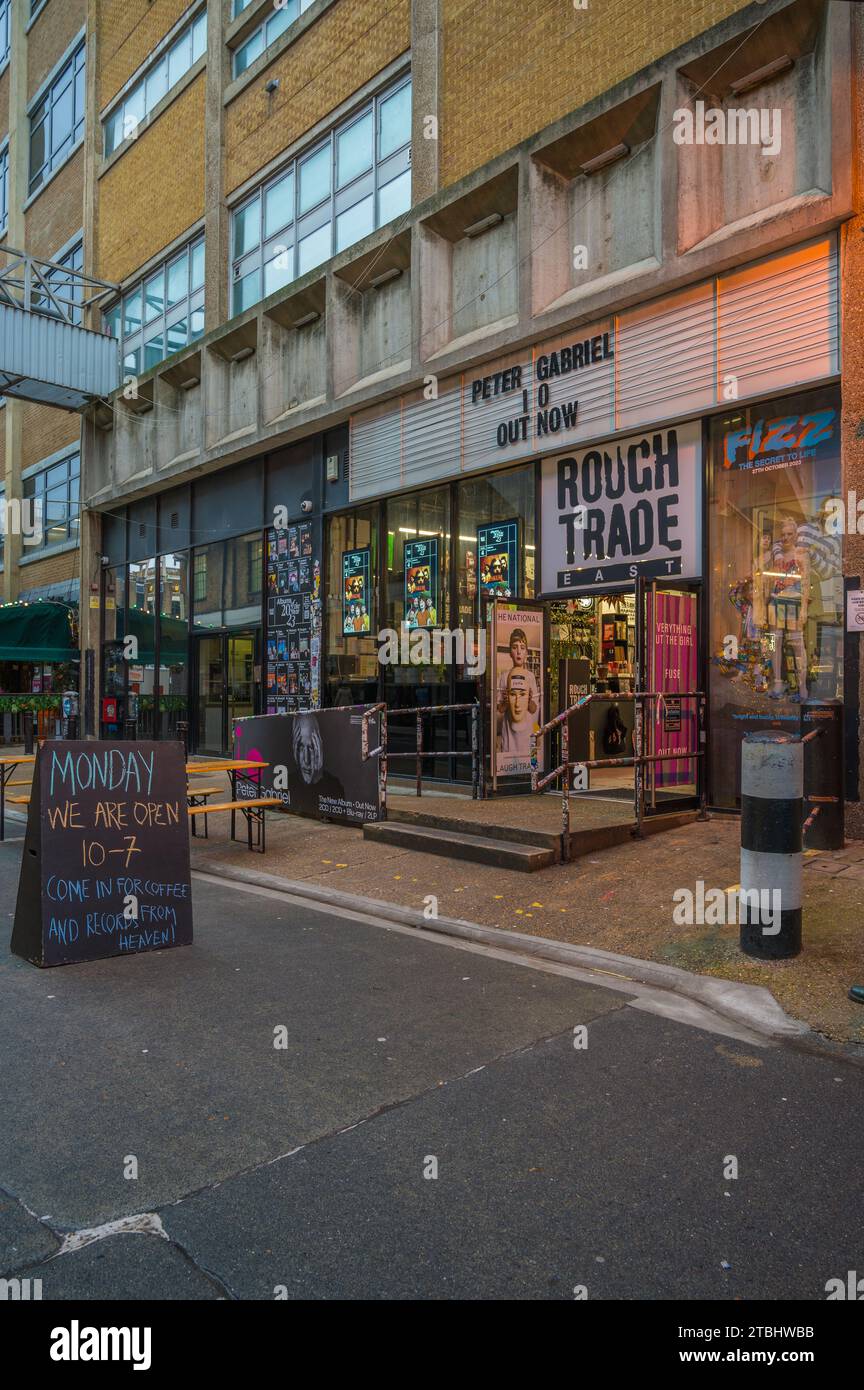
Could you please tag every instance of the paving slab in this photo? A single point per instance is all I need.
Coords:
(125, 1267)
(23, 1238)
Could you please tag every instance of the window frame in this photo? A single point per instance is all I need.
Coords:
(34, 487)
(44, 104)
(134, 94)
(260, 31)
(4, 186)
(159, 324)
(326, 211)
(5, 33)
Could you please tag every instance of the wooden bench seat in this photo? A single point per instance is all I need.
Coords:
(254, 810)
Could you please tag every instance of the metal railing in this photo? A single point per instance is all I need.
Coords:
(384, 755)
(37, 286)
(639, 761)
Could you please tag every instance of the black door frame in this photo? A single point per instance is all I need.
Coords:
(224, 634)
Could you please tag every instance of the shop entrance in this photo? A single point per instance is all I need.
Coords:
(613, 646)
(227, 688)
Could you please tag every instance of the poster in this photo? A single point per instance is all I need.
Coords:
(421, 583)
(673, 669)
(498, 554)
(517, 700)
(619, 510)
(292, 678)
(356, 591)
(315, 760)
(105, 870)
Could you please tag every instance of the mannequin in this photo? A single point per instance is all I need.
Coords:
(787, 607)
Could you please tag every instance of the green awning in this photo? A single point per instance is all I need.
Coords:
(36, 632)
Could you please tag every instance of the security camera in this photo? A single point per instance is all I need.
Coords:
(306, 505)
(105, 561)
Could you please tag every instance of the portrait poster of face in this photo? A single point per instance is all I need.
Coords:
(356, 591)
(498, 558)
(314, 762)
(517, 698)
(421, 583)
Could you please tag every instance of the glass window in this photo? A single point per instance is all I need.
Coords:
(239, 6)
(5, 6)
(68, 290)
(354, 150)
(173, 311)
(776, 522)
(268, 31)
(351, 662)
(54, 495)
(178, 279)
(159, 79)
(173, 642)
(315, 178)
(4, 187)
(394, 122)
(507, 496)
(303, 193)
(243, 580)
(58, 120)
(208, 569)
(279, 205)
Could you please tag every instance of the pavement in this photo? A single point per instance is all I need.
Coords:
(445, 1120)
(617, 900)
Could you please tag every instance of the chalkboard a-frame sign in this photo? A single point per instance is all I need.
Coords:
(105, 870)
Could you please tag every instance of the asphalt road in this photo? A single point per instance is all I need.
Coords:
(305, 1170)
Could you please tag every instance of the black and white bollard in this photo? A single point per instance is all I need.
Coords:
(772, 800)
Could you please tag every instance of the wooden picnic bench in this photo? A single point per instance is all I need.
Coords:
(255, 810)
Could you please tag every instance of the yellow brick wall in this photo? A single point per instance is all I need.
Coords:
(346, 47)
(44, 431)
(52, 570)
(58, 212)
(50, 37)
(155, 191)
(511, 67)
(129, 30)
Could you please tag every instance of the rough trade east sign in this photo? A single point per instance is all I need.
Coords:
(618, 510)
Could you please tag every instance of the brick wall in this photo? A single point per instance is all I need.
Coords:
(44, 431)
(4, 105)
(128, 32)
(50, 36)
(155, 191)
(511, 67)
(58, 212)
(347, 46)
(54, 569)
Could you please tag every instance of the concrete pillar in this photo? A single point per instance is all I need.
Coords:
(217, 219)
(425, 98)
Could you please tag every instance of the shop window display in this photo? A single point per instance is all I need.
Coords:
(776, 591)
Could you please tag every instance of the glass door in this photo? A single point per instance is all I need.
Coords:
(227, 683)
(211, 695)
(670, 667)
(241, 679)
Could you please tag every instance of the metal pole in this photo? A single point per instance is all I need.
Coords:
(475, 752)
(419, 718)
(702, 765)
(638, 777)
(382, 764)
(565, 802)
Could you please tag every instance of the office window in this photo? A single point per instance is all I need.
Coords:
(162, 313)
(356, 179)
(5, 6)
(240, 6)
(267, 33)
(36, 6)
(57, 120)
(55, 491)
(68, 290)
(199, 592)
(4, 187)
(159, 79)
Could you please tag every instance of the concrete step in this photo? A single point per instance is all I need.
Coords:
(456, 844)
(543, 839)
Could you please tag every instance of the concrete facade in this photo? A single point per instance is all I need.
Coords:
(512, 110)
